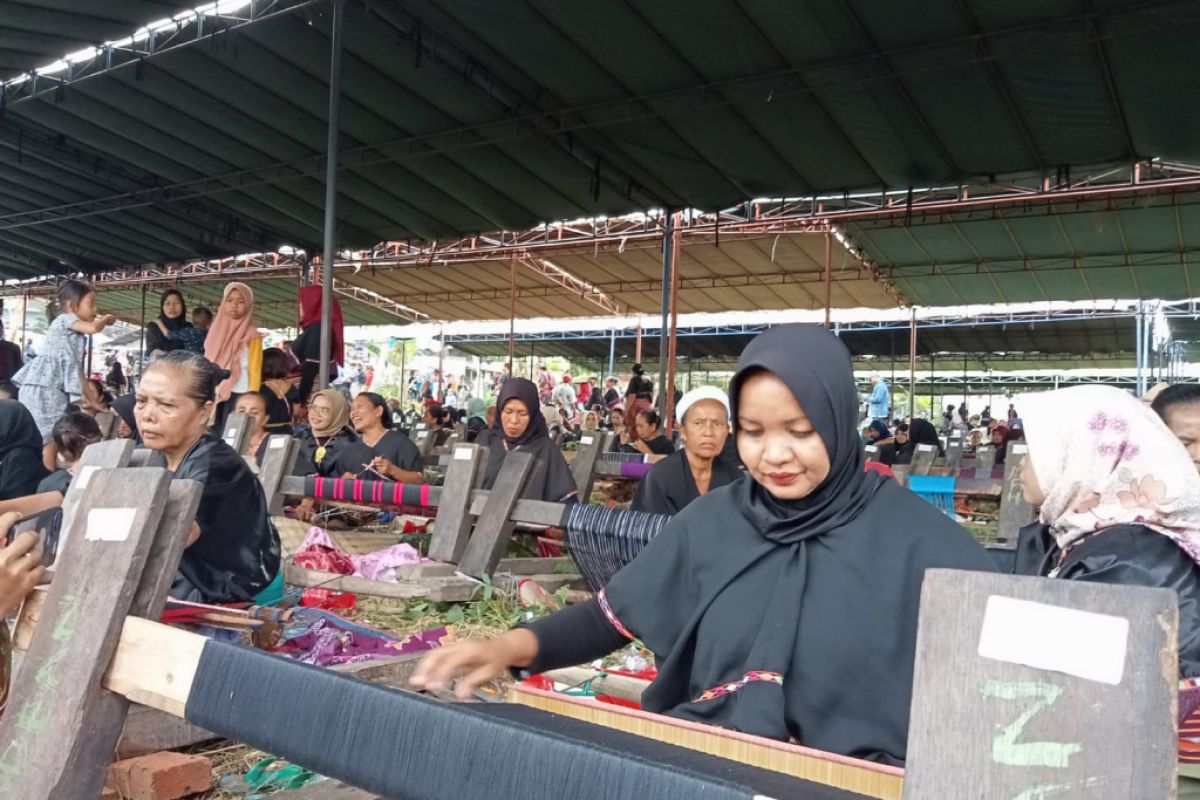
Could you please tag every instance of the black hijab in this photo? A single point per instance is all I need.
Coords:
(920, 431)
(21, 467)
(525, 391)
(793, 618)
(123, 406)
(822, 382)
(551, 478)
(177, 323)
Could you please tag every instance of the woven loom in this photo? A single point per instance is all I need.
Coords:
(602, 540)
(626, 458)
(352, 490)
(938, 490)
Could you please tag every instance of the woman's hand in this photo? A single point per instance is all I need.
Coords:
(476, 662)
(20, 566)
(641, 446)
(384, 467)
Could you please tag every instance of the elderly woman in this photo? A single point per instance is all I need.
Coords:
(698, 468)
(521, 426)
(773, 605)
(647, 437)
(233, 550)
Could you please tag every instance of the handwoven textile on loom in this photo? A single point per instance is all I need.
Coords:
(602, 540)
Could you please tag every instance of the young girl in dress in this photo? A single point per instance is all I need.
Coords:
(54, 379)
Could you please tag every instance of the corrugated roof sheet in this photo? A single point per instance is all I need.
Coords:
(467, 116)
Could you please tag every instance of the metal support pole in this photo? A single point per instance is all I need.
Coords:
(668, 247)
(512, 312)
(1139, 333)
(828, 277)
(612, 351)
(912, 366)
(25, 318)
(637, 355)
(141, 342)
(329, 253)
(441, 390)
(673, 340)
(932, 375)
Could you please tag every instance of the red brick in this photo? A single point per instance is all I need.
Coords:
(160, 776)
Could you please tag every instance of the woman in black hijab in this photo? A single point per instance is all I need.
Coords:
(782, 605)
(920, 431)
(172, 318)
(21, 469)
(520, 425)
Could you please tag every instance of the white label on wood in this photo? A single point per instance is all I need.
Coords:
(420, 426)
(85, 475)
(462, 454)
(109, 524)
(230, 433)
(585, 440)
(1020, 449)
(1081, 643)
(956, 433)
(872, 449)
(277, 442)
(925, 448)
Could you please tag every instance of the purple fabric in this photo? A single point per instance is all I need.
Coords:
(635, 469)
(331, 640)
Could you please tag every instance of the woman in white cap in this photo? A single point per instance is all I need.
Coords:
(680, 478)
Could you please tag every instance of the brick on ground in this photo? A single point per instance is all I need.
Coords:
(158, 776)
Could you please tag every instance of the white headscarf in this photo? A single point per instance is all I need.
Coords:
(698, 394)
(1102, 459)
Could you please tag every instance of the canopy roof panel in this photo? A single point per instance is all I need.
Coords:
(461, 117)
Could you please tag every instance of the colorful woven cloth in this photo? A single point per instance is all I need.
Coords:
(327, 639)
(1189, 720)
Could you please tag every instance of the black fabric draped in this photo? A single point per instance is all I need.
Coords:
(920, 431)
(794, 618)
(669, 486)
(123, 406)
(21, 467)
(238, 552)
(155, 338)
(551, 477)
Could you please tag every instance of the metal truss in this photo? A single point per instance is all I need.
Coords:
(376, 300)
(152, 40)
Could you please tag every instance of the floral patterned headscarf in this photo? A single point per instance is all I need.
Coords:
(1102, 458)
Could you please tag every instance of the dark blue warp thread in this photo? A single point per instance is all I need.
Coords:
(409, 747)
(602, 540)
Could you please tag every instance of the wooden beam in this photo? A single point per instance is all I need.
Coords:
(236, 434)
(50, 752)
(452, 529)
(495, 525)
(277, 464)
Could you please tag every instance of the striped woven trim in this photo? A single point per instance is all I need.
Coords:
(733, 686)
(612, 617)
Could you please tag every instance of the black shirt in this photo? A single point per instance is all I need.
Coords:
(640, 388)
(659, 445)
(400, 450)
(58, 481)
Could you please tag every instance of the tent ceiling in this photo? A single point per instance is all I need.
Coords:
(1070, 344)
(275, 303)
(463, 116)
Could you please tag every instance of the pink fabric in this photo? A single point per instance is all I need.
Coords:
(1102, 459)
(379, 565)
(226, 338)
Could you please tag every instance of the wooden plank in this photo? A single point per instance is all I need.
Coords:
(148, 730)
(1033, 688)
(515, 566)
(145, 457)
(329, 789)
(452, 528)
(495, 524)
(922, 460)
(426, 441)
(536, 512)
(985, 459)
(954, 453)
(583, 466)
(50, 750)
(1015, 511)
(107, 422)
(278, 462)
(299, 576)
(237, 430)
